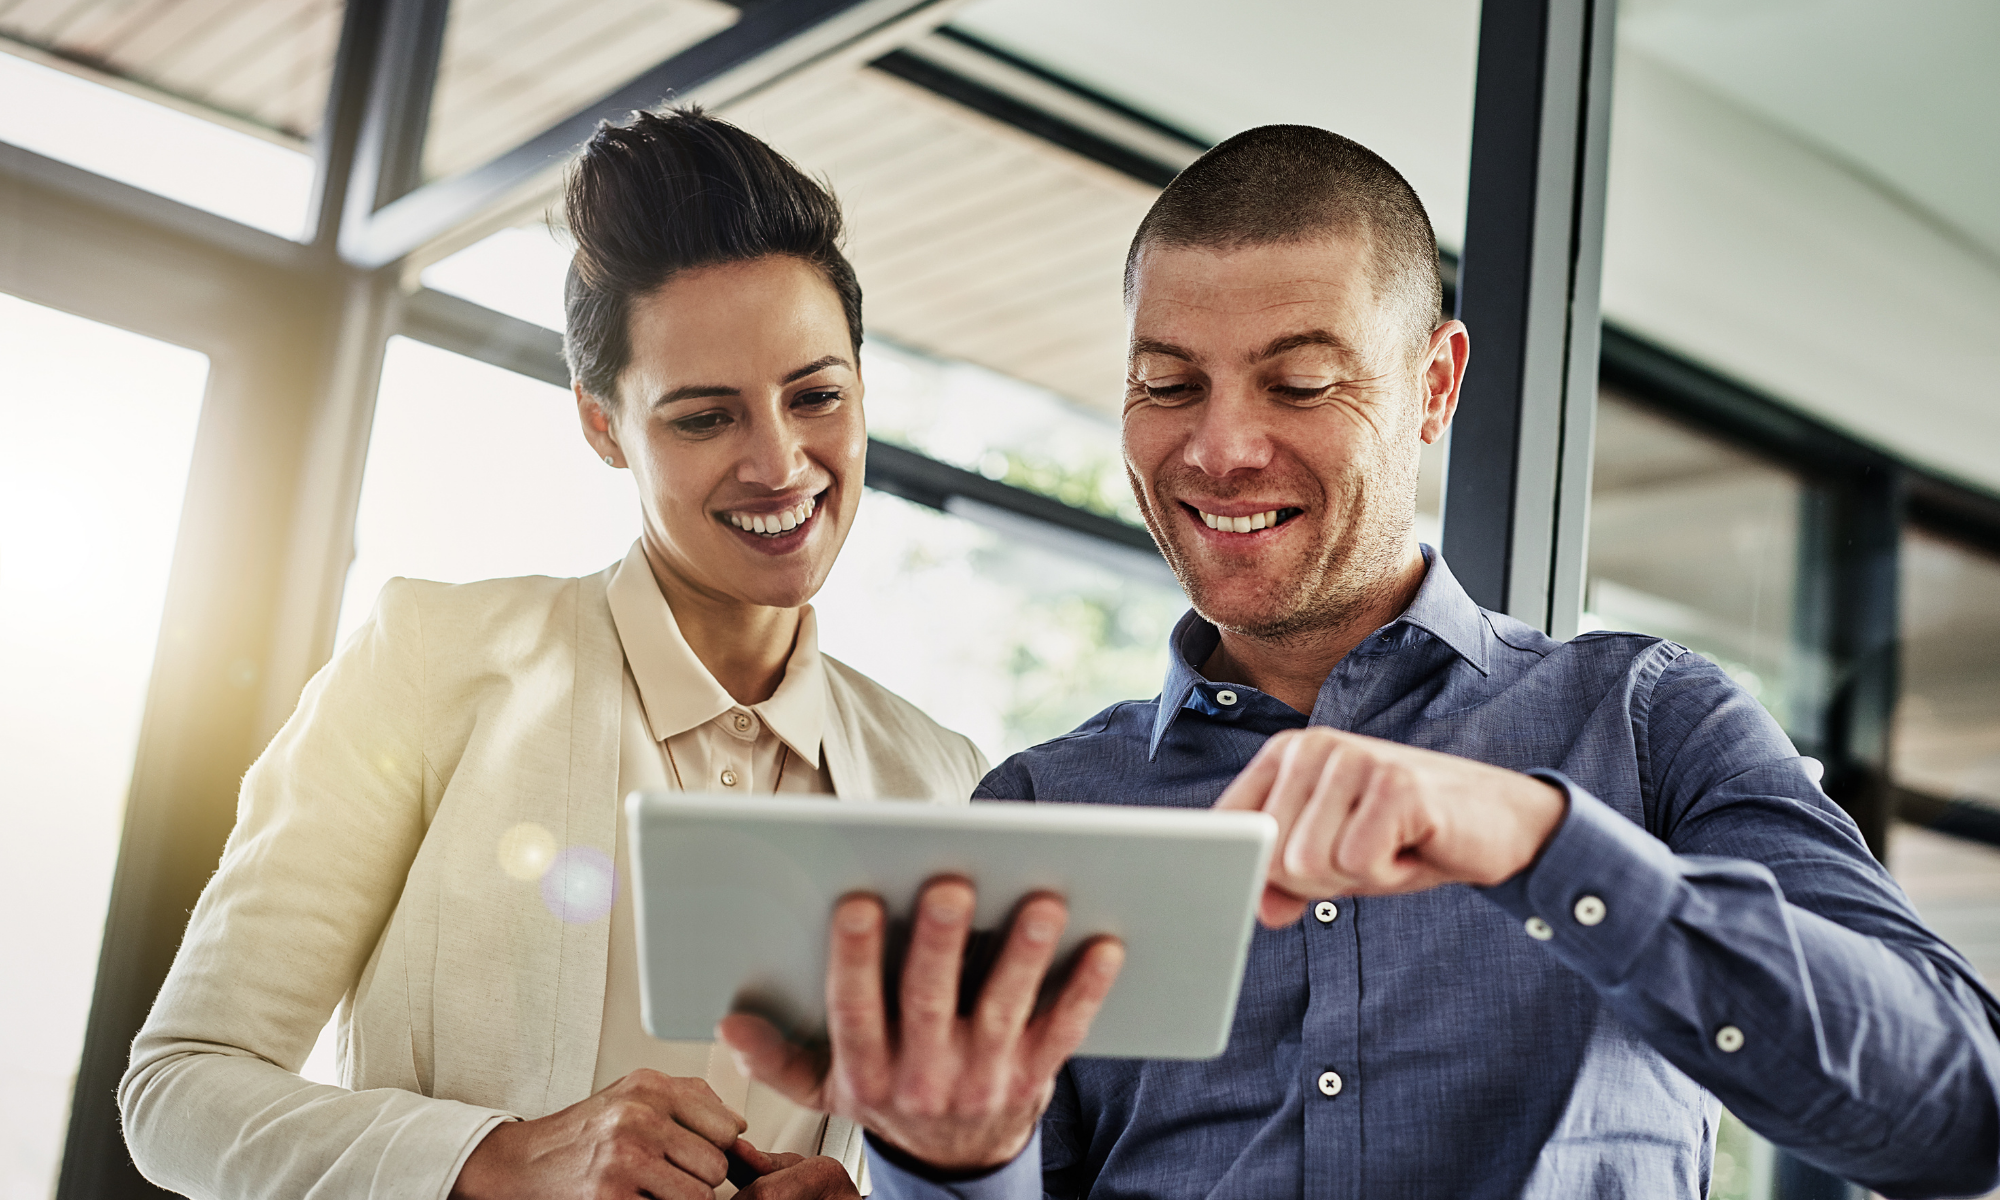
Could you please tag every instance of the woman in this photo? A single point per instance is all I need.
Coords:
(429, 842)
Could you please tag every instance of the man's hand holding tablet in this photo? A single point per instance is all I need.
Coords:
(957, 1092)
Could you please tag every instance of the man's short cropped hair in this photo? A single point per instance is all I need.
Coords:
(1294, 183)
(675, 191)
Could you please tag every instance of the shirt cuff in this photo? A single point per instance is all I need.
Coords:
(896, 1176)
(1599, 890)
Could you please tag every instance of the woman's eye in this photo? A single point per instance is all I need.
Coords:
(823, 398)
(702, 423)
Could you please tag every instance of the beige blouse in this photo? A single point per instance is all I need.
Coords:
(681, 731)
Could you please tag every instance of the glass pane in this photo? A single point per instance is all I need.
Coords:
(86, 539)
(1697, 542)
(207, 102)
(1215, 71)
(1948, 722)
(201, 163)
(474, 472)
(1048, 638)
(515, 271)
(1007, 642)
(1805, 203)
(512, 68)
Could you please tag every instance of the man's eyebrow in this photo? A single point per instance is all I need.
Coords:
(709, 391)
(1298, 341)
(1146, 345)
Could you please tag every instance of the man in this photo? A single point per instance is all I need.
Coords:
(1536, 907)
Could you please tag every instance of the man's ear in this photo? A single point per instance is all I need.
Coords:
(596, 420)
(1444, 373)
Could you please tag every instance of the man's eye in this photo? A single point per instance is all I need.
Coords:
(1168, 392)
(702, 423)
(1301, 393)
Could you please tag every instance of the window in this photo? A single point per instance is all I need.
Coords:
(210, 104)
(88, 517)
(1697, 542)
(1948, 724)
(511, 69)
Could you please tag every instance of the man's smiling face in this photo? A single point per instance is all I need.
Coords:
(1273, 418)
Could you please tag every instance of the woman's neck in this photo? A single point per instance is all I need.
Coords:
(745, 646)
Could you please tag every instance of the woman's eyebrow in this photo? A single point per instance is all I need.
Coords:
(709, 391)
(818, 364)
(697, 391)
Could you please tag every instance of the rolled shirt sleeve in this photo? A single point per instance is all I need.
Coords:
(1707, 959)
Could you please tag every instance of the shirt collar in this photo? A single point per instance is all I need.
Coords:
(1441, 608)
(678, 693)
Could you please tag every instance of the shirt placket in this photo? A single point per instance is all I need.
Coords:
(1333, 1086)
(736, 751)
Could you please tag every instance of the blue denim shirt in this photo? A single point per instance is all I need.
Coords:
(1742, 944)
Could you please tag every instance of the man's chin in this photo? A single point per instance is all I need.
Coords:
(1259, 610)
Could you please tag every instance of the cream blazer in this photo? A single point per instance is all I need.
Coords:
(364, 872)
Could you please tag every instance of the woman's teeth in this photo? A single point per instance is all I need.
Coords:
(1255, 521)
(773, 524)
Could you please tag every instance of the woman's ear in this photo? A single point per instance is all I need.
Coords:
(596, 421)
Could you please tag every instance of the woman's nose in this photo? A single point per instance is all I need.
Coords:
(774, 456)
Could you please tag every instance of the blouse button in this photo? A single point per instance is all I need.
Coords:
(742, 722)
(729, 779)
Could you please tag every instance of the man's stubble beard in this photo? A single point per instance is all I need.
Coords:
(1355, 571)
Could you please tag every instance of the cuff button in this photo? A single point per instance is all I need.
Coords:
(1589, 911)
(1539, 929)
(1729, 1039)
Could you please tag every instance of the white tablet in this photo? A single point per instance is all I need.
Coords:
(733, 895)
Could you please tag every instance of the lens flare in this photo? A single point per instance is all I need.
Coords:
(580, 885)
(526, 851)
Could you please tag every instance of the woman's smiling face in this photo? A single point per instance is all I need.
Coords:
(740, 418)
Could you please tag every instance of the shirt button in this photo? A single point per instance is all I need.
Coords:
(742, 723)
(1589, 911)
(729, 779)
(1729, 1039)
(1539, 929)
(1225, 697)
(1326, 911)
(1329, 1083)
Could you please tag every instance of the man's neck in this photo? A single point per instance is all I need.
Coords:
(745, 646)
(1293, 667)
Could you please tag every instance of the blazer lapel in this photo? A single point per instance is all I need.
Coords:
(592, 816)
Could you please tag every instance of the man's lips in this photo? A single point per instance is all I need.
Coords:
(1243, 518)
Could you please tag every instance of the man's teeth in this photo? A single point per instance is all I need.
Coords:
(1262, 520)
(773, 524)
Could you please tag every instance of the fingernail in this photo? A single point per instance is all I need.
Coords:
(947, 907)
(1038, 931)
(855, 918)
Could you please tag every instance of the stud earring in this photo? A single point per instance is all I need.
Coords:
(608, 462)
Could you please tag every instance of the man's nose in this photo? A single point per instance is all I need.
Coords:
(1228, 435)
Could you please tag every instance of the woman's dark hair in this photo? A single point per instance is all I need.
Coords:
(669, 192)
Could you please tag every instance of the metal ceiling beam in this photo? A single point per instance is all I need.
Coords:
(1517, 488)
(771, 41)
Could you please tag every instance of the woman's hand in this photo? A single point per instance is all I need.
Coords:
(794, 1177)
(647, 1132)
